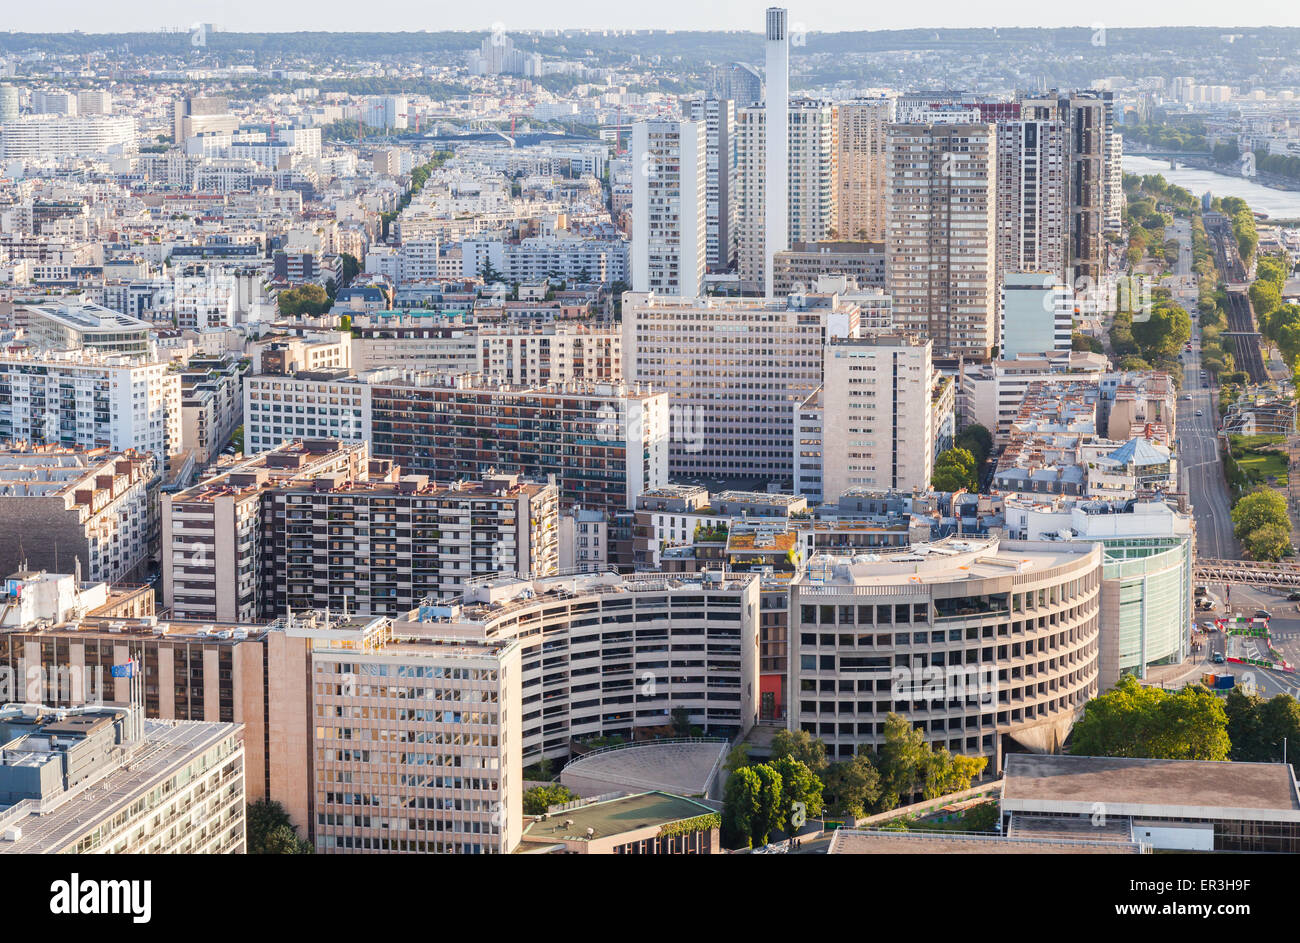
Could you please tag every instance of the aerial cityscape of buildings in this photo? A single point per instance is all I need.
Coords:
(527, 442)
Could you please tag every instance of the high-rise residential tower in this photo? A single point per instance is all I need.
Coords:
(1088, 118)
(669, 240)
(809, 194)
(940, 262)
(860, 186)
(1031, 197)
(719, 117)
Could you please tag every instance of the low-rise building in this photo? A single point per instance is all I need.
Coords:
(1170, 805)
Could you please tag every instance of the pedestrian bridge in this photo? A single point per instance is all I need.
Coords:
(1249, 572)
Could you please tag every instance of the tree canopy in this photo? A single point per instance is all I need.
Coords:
(270, 832)
(1137, 721)
(1260, 521)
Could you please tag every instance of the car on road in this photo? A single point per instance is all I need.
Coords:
(1293, 597)
(1199, 413)
(1218, 658)
(1262, 614)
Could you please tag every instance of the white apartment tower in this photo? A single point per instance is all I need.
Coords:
(876, 398)
(1031, 185)
(809, 174)
(668, 208)
(940, 257)
(719, 117)
(776, 226)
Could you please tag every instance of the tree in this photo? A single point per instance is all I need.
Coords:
(1280, 728)
(270, 832)
(798, 784)
(283, 840)
(1272, 269)
(540, 798)
(1137, 721)
(1266, 298)
(351, 268)
(1269, 542)
(1256, 510)
(680, 718)
(978, 440)
(770, 806)
(307, 299)
(853, 785)
(802, 746)
(1085, 342)
(740, 807)
(958, 456)
(942, 772)
(737, 759)
(1250, 744)
(901, 761)
(949, 478)
(1164, 331)
(956, 466)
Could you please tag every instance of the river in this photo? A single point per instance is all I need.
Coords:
(1278, 204)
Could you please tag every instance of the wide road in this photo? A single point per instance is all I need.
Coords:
(1198, 449)
(1284, 626)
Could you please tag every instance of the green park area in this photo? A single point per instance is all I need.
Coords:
(1261, 459)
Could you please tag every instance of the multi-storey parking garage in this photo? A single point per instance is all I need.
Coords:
(971, 640)
(610, 655)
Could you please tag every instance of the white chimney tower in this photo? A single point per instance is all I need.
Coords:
(776, 199)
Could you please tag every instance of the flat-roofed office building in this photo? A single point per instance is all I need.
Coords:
(876, 400)
(736, 371)
(107, 781)
(1169, 805)
(417, 741)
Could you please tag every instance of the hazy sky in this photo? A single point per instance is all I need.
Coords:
(390, 15)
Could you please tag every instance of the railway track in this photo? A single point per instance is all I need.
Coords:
(1241, 328)
(1241, 319)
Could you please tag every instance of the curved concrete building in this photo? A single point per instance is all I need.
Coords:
(975, 641)
(604, 654)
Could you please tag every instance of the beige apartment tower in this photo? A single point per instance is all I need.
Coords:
(860, 178)
(940, 243)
